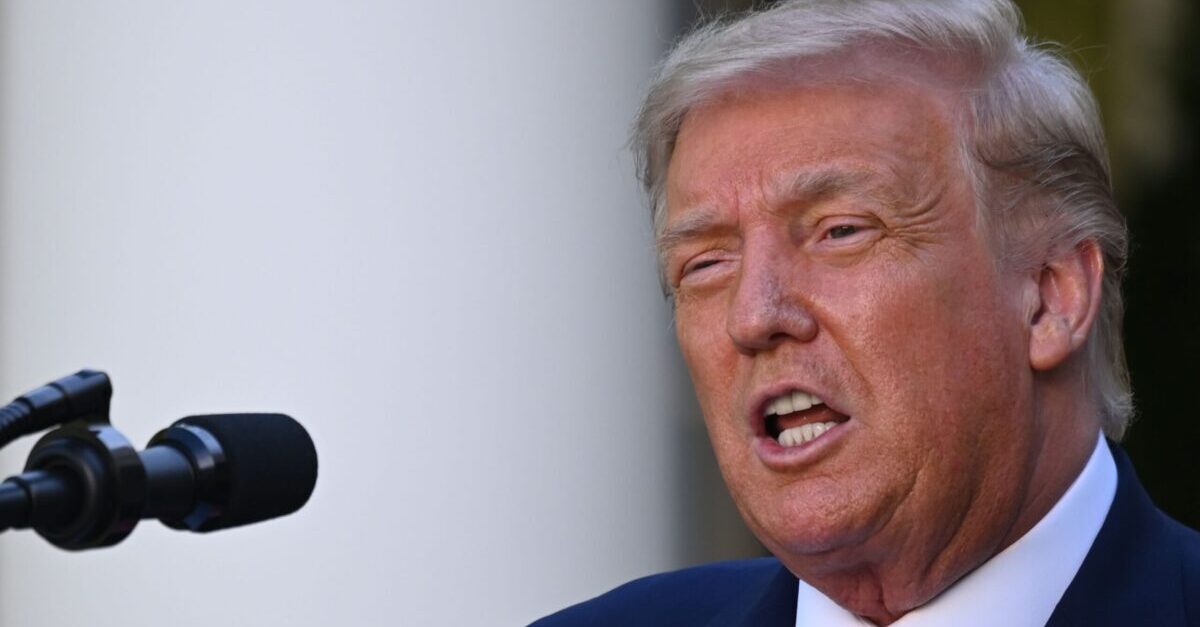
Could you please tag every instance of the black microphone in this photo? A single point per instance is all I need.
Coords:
(85, 486)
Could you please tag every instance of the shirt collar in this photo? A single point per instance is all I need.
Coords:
(1003, 591)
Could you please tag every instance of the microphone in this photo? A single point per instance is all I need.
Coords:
(85, 486)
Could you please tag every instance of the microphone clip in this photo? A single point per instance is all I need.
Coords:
(86, 486)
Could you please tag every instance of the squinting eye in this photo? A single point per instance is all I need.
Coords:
(842, 230)
(700, 266)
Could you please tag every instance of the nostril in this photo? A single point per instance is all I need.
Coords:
(766, 333)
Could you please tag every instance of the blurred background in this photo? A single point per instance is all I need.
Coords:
(415, 227)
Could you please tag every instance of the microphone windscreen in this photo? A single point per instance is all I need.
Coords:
(271, 462)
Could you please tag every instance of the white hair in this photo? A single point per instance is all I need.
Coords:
(1031, 134)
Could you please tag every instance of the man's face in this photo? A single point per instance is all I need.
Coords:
(824, 240)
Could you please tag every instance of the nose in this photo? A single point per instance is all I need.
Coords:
(767, 307)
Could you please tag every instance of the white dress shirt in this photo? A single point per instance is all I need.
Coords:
(1022, 584)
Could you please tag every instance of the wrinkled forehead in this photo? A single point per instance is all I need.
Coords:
(810, 141)
(906, 104)
(947, 76)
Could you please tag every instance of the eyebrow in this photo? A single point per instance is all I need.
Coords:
(812, 184)
(696, 223)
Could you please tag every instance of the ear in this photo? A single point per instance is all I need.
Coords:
(1069, 289)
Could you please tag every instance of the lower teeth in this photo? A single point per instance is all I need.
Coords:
(804, 433)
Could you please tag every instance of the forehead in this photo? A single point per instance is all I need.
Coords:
(774, 141)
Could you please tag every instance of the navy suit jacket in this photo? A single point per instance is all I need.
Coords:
(1142, 569)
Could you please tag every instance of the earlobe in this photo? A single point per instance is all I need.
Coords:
(1069, 290)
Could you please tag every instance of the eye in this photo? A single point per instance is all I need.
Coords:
(704, 268)
(845, 234)
(697, 266)
(842, 231)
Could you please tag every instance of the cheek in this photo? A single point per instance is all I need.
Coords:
(706, 348)
(935, 347)
(712, 362)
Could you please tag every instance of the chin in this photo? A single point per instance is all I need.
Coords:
(811, 541)
(813, 527)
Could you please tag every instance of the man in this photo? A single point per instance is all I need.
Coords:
(889, 234)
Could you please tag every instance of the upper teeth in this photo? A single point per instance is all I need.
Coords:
(788, 403)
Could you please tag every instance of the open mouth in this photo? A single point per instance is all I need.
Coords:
(797, 418)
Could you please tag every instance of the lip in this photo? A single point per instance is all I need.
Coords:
(780, 458)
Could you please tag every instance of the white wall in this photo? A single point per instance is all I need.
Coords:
(410, 225)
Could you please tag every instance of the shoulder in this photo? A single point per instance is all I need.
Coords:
(1143, 567)
(1187, 542)
(691, 596)
(1169, 580)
